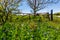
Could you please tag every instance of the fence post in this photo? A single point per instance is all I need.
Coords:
(48, 16)
(52, 15)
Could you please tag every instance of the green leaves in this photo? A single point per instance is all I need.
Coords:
(28, 30)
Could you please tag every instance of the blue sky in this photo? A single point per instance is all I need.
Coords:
(24, 7)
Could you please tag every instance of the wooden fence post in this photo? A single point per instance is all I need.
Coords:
(52, 15)
(48, 16)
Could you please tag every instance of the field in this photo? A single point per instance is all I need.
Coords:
(30, 28)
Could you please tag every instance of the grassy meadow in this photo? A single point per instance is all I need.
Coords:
(27, 27)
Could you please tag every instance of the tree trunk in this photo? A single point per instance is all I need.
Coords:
(34, 13)
(35, 8)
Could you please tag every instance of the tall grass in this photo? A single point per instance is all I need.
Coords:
(23, 28)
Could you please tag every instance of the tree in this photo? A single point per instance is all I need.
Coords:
(37, 5)
(8, 6)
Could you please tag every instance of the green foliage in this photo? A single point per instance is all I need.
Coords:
(57, 13)
(6, 8)
(23, 28)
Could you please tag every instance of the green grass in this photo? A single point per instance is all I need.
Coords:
(23, 28)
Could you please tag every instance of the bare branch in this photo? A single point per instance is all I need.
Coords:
(37, 5)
